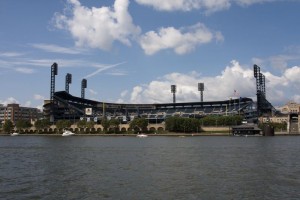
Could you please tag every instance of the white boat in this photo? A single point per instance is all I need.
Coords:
(67, 133)
(14, 134)
(142, 135)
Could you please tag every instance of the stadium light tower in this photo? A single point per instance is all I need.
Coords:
(83, 86)
(68, 81)
(173, 91)
(52, 85)
(52, 89)
(263, 105)
(201, 89)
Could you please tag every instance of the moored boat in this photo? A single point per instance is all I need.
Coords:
(67, 133)
(142, 135)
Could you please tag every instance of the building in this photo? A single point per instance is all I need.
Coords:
(15, 112)
(290, 107)
(289, 114)
(66, 106)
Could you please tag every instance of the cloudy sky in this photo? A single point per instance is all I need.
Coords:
(131, 51)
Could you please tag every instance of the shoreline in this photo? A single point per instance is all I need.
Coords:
(163, 134)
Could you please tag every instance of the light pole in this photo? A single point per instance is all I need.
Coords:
(173, 91)
(201, 89)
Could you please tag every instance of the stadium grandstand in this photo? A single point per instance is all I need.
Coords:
(66, 106)
(63, 105)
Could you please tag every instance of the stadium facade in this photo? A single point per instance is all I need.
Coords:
(63, 105)
(66, 106)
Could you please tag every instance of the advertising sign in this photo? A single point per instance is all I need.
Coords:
(88, 111)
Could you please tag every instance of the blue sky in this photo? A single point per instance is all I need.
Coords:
(132, 51)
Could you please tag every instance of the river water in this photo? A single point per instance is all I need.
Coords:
(158, 167)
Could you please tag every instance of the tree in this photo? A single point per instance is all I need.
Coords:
(105, 124)
(22, 124)
(42, 124)
(277, 126)
(138, 124)
(81, 124)
(90, 124)
(8, 126)
(63, 124)
(114, 124)
(185, 125)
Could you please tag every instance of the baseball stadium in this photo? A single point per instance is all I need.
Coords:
(63, 105)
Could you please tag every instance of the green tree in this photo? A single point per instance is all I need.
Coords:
(114, 124)
(138, 124)
(185, 125)
(82, 124)
(63, 124)
(8, 126)
(22, 124)
(42, 124)
(90, 124)
(105, 124)
(277, 126)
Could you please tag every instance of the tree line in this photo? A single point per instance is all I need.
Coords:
(172, 124)
(109, 126)
(190, 125)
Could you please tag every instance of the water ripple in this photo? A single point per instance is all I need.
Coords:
(154, 168)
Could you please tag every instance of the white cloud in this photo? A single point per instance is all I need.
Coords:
(120, 101)
(40, 107)
(181, 40)
(186, 5)
(8, 101)
(293, 74)
(250, 2)
(93, 92)
(102, 68)
(123, 96)
(27, 104)
(17, 65)
(57, 49)
(279, 90)
(234, 77)
(98, 27)
(11, 54)
(136, 94)
(207, 6)
(296, 98)
(117, 73)
(38, 97)
(124, 93)
(24, 70)
(278, 62)
(101, 27)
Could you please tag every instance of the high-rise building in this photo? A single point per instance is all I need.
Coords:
(15, 112)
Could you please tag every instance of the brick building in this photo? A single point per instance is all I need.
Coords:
(15, 112)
